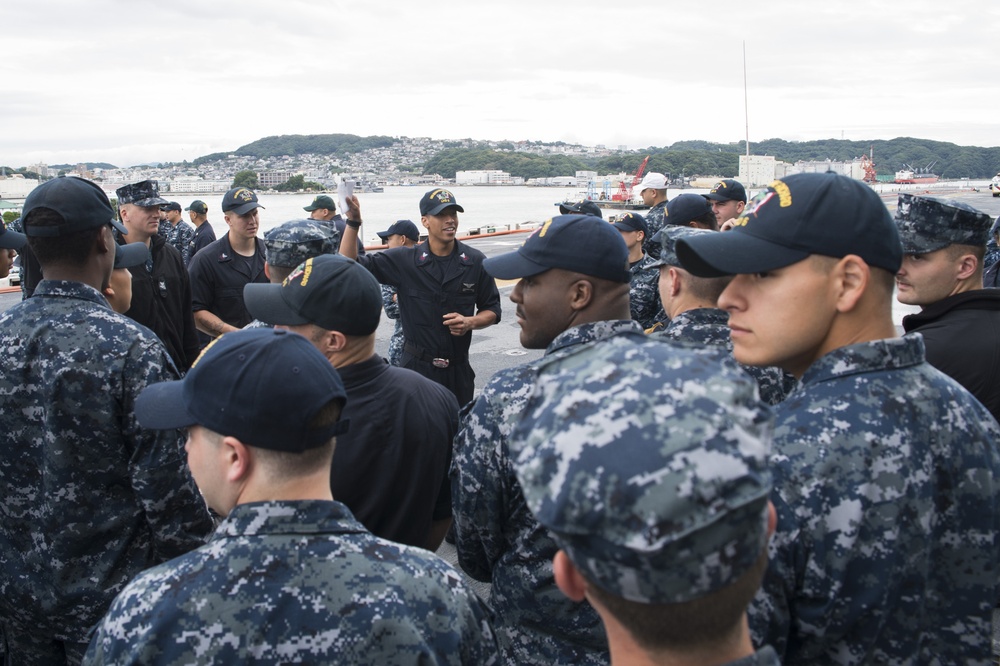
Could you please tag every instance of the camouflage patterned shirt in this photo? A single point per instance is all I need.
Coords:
(644, 292)
(391, 308)
(90, 498)
(497, 537)
(885, 483)
(296, 582)
(656, 219)
(181, 236)
(710, 326)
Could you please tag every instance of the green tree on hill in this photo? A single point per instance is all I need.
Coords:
(246, 178)
(299, 182)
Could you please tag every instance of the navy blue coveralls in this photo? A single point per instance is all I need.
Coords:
(428, 288)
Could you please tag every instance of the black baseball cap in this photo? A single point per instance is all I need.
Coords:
(631, 222)
(727, 189)
(579, 243)
(240, 200)
(260, 385)
(330, 291)
(803, 214)
(435, 201)
(403, 227)
(173, 205)
(11, 240)
(685, 208)
(81, 203)
(585, 207)
(131, 255)
(198, 206)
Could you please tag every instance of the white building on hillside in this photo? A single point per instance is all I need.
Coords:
(486, 177)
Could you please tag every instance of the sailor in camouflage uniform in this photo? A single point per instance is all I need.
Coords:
(643, 294)
(654, 510)
(176, 231)
(885, 470)
(90, 498)
(401, 233)
(572, 288)
(289, 580)
(290, 244)
(692, 315)
(653, 191)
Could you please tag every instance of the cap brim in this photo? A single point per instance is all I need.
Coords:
(266, 303)
(119, 227)
(245, 208)
(12, 240)
(437, 209)
(131, 254)
(384, 235)
(162, 407)
(512, 266)
(733, 253)
(151, 201)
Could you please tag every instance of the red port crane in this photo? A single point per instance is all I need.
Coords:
(624, 192)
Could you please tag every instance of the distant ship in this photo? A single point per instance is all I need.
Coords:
(910, 176)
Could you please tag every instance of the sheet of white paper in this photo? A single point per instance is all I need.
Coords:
(345, 188)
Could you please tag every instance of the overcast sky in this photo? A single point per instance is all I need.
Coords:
(138, 81)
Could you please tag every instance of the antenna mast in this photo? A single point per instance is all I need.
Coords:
(746, 105)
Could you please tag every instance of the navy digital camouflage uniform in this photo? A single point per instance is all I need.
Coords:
(656, 219)
(90, 498)
(710, 326)
(180, 235)
(644, 292)
(885, 474)
(645, 500)
(391, 307)
(496, 537)
(296, 581)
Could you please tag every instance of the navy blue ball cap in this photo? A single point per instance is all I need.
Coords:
(131, 255)
(11, 240)
(585, 207)
(435, 201)
(803, 214)
(262, 386)
(330, 291)
(631, 222)
(727, 189)
(579, 243)
(81, 203)
(240, 200)
(685, 208)
(403, 227)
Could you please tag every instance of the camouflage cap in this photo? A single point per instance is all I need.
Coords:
(927, 224)
(648, 462)
(667, 238)
(144, 193)
(293, 242)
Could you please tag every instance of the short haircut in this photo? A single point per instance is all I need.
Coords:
(705, 221)
(956, 250)
(68, 249)
(279, 273)
(705, 289)
(283, 465)
(688, 625)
